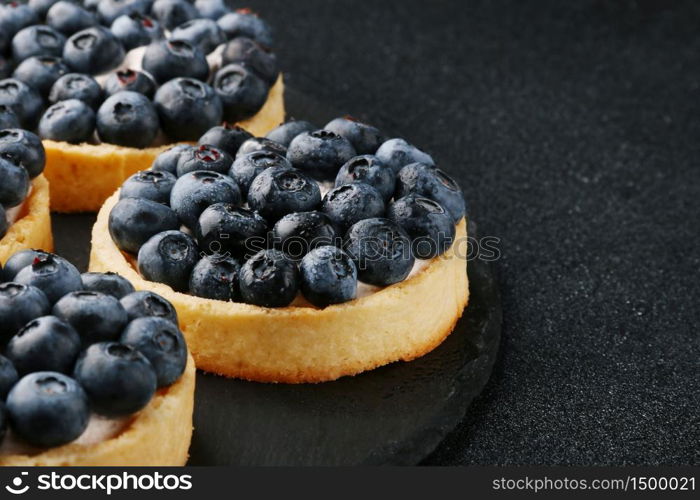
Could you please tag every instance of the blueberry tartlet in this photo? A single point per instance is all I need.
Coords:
(109, 84)
(303, 256)
(92, 372)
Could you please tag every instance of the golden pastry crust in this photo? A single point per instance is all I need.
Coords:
(159, 435)
(306, 344)
(83, 176)
(33, 227)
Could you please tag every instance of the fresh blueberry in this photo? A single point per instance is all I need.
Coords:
(211, 9)
(19, 304)
(261, 144)
(397, 153)
(136, 30)
(37, 40)
(8, 118)
(44, 344)
(298, 233)
(19, 261)
(15, 183)
(14, 16)
(108, 283)
(4, 224)
(24, 101)
(127, 119)
(381, 251)
(429, 226)
(167, 160)
(8, 377)
(77, 86)
(285, 133)
(204, 157)
(370, 170)
(172, 13)
(226, 137)
(24, 148)
(246, 23)
(278, 191)
(432, 183)
(128, 79)
(249, 53)
(41, 72)
(351, 203)
(162, 343)
(133, 221)
(68, 17)
(187, 108)
(143, 304)
(216, 277)
(109, 10)
(90, 5)
(320, 153)
(247, 167)
(169, 258)
(48, 409)
(41, 7)
(97, 317)
(149, 184)
(195, 191)
(242, 92)
(5, 67)
(53, 275)
(70, 121)
(328, 276)
(204, 33)
(366, 139)
(117, 378)
(269, 279)
(168, 59)
(225, 229)
(93, 51)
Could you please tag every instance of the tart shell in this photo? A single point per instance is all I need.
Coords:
(306, 344)
(83, 176)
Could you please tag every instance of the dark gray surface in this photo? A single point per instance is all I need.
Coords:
(573, 128)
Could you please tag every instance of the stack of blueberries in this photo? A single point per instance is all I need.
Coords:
(53, 52)
(240, 218)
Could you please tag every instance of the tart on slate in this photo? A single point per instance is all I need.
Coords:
(109, 85)
(91, 371)
(304, 256)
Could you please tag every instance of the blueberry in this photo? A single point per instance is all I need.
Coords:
(187, 108)
(15, 184)
(41, 7)
(298, 233)
(226, 137)
(24, 101)
(429, 226)
(370, 170)
(109, 10)
(68, 17)
(93, 51)
(328, 276)
(169, 258)
(242, 92)
(19, 261)
(37, 40)
(13, 17)
(320, 153)
(285, 133)
(128, 79)
(162, 343)
(77, 86)
(19, 304)
(143, 304)
(5, 67)
(247, 167)
(381, 251)
(117, 378)
(216, 277)
(133, 221)
(8, 118)
(25, 148)
(150, 185)
(48, 409)
(40, 72)
(70, 121)
(195, 191)
(108, 283)
(168, 59)
(204, 33)
(127, 119)
(8, 377)
(246, 23)
(172, 13)
(269, 279)
(204, 157)
(397, 153)
(366, 139)
(278, 191)
(4, 224)
(351, 203)
(431, 183)
(261, 144)
(97, 317)
(211, 9)
(44, 344)
(231, 231)
(167, 160)
(53, 275)
(136, 30)
(249, 53)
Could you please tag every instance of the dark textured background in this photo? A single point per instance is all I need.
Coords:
(574, 129)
